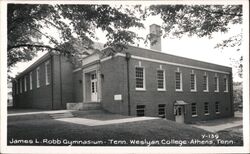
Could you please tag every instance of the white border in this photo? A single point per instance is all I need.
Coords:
(32, 149)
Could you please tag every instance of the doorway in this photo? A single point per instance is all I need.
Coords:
(179, 115)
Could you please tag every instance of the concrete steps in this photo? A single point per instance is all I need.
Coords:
(61, 115)
(86, 106)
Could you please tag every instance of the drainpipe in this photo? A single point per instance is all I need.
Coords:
(128, 56)
(52, 80)
(60, 69)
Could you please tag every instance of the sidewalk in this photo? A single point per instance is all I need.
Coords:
(220, 124)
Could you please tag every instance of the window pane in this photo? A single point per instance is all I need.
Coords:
(139, 75)
(160, 79)
(177, 80)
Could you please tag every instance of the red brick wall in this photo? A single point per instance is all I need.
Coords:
(114, 72)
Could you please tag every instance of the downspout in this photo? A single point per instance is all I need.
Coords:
(128, 56)
(60, 69)
(52, 81)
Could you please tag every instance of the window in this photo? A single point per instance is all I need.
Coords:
(161, 80)
(47, 73)
(178, 81)
(217, 107)
(31, 86)
(162, 110)
(37, 77)
(216, 84)
(21, 87)
(225, 86)
(140, 109)
(140, 78)
(25, 83)
(193, 82)
(205, 83)
(194, 109)
(206, 108)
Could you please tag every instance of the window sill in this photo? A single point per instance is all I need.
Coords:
(194, 116)
(193, 90)
(216, 91)
(178, 90)
(140, 89)
(225, 91)
(205, 91)
(161, 89)
(206, 114)
(217, 112)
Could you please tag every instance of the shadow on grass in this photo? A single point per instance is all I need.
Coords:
(141, 133)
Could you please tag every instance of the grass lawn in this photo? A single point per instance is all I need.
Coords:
(157, 132)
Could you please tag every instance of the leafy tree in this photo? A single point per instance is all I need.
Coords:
(201, 21)
(27, 25)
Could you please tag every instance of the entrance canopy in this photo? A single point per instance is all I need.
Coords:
(180, 102)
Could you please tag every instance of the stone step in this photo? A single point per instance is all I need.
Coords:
(84, 106)
(61, 115)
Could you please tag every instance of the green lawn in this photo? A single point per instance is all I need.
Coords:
(157, 132)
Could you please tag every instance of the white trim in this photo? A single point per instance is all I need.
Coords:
(226, 84)
(217, 84)
(46, 73)
(182, 65)
(38, 77)
(195, 84)
(106, 58)
(165, 62)
(110, 57)
(164, 80)
(30, 80)
(144, 79)
(207, 83)
(181, 88)
(76, 70)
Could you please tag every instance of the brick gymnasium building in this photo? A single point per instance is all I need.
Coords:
(136, 81)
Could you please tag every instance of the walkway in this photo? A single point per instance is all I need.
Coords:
(220, 124)
(91, 122)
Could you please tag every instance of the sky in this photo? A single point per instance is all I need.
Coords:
(190, 47)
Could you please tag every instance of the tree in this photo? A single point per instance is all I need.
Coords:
(27, 25)
(201, 21)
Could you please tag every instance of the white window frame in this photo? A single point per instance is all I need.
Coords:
(217, 112)
(207, 108)
(164, 80)
(31, 79)
(144, 79)
(194, 115)
(195, 87)
(225, 90)
(217, 83)
(38, 77)
(207, 83)
(178, 71)
(46, 73)
(25, 83)
(21, 87)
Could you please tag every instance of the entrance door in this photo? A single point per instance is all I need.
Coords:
(179, 117)
(93, 87)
